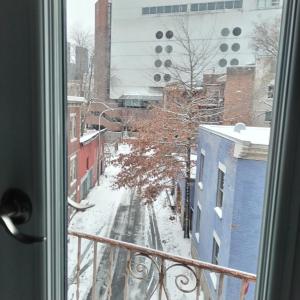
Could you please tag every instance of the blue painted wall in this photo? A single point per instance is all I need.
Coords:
(239, 227)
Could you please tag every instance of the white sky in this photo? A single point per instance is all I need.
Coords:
(81, 13)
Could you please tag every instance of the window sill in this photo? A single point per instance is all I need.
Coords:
(200, 185)
(219, 212)
(214, 279)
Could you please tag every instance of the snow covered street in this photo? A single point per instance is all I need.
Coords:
(121, 215)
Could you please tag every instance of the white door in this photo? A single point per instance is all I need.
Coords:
(32, 150)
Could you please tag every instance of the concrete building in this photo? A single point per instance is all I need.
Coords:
(229, 194)
(145, 35)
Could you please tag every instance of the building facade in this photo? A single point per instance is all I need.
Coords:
(142, 56)
(229, 195)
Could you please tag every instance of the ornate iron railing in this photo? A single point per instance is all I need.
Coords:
(153, 267)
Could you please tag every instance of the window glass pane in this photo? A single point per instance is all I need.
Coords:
(168, 124)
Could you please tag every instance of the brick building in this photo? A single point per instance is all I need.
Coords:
(238, 95)
(88, 160)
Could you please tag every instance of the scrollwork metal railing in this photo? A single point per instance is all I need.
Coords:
(128, 269)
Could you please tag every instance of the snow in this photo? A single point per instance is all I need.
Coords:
(96, 220)
(87, 136)
(76, 99)
(253, 135)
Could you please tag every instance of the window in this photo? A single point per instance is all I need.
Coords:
(183, 8)
(234, 62)
(167, 77)
(168, 9)
(160, 9)
(195, 7)
(152, 10)
(225, 32)
(220, 188)
(223, 62)
(268, 116)
(73, 171)
(169, 34)
(158, 49)
(158, 63)
(215, 251)
(146, 10)
(211, 6)
(235, 47)
(202, 6)
(220, 5)
(201, 165)
(169, 49)
(175, 8)
(238, 4)
(228, 4)
(159, 34)
(271, 91)
(157, 77)
(275, 3)
(223, 47)
(73, 127)
(197, 225)
(168, 63)
(237, 31)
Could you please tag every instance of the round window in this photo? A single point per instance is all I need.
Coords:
(223, 62)
(169, 34)
(235, 47)
(157, 77)
(167, 77)
(159, 34)
(237, 31)
(158, 49)
(223, 47)
(168, 63)
(158, 63)
(225, 32)
(169, 49)
(234, 62)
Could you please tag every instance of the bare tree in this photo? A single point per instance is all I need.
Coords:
(162, 150)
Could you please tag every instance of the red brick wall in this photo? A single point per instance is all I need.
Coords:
(238, 95)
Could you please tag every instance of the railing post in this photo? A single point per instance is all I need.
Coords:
(244, 287)
(94, 272)
(111, 259)
(161, 279)
(126, 276)
(198, 291)
(78, 267)
(220, 288)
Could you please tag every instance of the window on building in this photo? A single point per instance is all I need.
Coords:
(224, 47)
(73, 169)
(157, 77)
(220, 188)
(238, 4)
(268, 116)
(87, 163)
(201, 166)
(225, 32)
(271, 91)
(175, 8)
(229, 4)
(211, 6)
(197, 225)
(202, 6)
(160, 9)
(223, 62)
(168, 63)
(146, 10)
(235, 47)
(237, 31)
(159, 34)
(158, 49)
(73, 129)
(158, 63)
(220, 5)
(169, 34)
(168, 9)
(169, 49)
(234, 62)
(195, 7)
(275, 3)
(167, 77)
(183, 8)
(153, 10)
(215, 252)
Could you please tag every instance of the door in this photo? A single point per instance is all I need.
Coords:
(32, 145)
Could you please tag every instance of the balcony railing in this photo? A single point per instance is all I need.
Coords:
(162, 273)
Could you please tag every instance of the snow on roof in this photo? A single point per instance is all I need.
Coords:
(254, 135)
(88, 136)
(76, 99)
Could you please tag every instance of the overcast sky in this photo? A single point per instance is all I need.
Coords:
(81, 13)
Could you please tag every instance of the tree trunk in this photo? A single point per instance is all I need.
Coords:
(187, 195)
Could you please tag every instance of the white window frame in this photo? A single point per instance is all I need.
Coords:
(197, 228)
(219, 209)
(201, 169)
(213, 275)
(73, 169)
(73, 127)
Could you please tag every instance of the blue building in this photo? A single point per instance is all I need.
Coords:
(228, 203)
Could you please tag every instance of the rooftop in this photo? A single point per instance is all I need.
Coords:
(89, 135)
(76, 99)
(253, 135)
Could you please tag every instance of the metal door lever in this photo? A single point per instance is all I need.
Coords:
(16, 209)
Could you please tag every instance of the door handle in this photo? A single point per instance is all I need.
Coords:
(16, 209)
